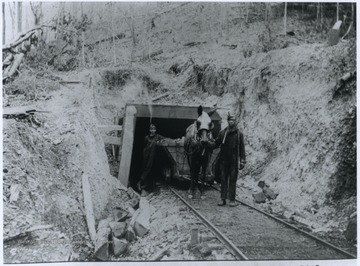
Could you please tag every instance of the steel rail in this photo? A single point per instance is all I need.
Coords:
(291, 226)
(296, 228)
(228, 244)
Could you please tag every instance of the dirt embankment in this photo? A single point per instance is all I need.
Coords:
(296, 125)
(46, 162)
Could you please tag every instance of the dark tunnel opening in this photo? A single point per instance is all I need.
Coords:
(166, 127)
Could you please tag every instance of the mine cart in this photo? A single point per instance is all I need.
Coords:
(178, 166)
(171, 122)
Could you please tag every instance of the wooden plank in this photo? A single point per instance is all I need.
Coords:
(171, 111)
(112, 140)
(127, 145)
(90, 219)
(160, 96)
(158, 256)
(27, 232)
(110, 127)
(17, 109)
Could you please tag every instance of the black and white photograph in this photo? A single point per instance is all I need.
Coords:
(179, 132)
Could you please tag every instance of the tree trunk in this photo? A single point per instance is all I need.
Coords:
(318, 13)
(12, 69)
(266, 13)
(247, 12)
(82, 37)
(352, 14)
(19, 21)
(227, 23)
(59, 18)
(337, 11)
(321, 15)
(285, 17)
(40, 13)
(222, 18)
(37, 12)
(12, 15)
(113, 33)
(4, 23)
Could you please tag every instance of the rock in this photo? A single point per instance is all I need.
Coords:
(213, 246)
(14, 192)
(217, 255)
(160, 254)
(132, 193)
(205, 250)
(135, 201)
(141, 226)
(120, 215)
(102, 240)
(145, 205)
(141, 218)
(288, 214)
(57, 141)
(194, 236)
(131, 212)
(119, 246)
(351, 230)
(204, 238)
(259, 197)
(120, 186)
(118, 228)
(334, 34)
(269, 193)
(130, 234)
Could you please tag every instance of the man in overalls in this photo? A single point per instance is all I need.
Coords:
(147, 178)
(232, 158)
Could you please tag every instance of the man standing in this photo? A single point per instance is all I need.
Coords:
(232, 149)
(147, 178)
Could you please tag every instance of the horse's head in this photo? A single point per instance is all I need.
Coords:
(204, 124)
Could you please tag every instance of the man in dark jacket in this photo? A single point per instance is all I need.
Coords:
(232, 149)
(147, 178)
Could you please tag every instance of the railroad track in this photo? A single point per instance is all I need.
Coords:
(251, 234)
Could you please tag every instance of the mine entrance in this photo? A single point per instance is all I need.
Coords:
(171, 122)
(168, 128)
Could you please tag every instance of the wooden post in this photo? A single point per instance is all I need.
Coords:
(90, 220)
(19, 17)
(4, 23)
(127, 145)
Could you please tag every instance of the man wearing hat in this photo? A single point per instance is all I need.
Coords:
(147, 178)
(232, 157)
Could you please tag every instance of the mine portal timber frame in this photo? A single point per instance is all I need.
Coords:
(134, 111)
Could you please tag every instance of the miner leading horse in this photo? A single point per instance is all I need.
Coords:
(198, 153)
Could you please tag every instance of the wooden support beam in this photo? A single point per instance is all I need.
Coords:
(70, 81)
(110, 127)
(127, 145)
(89, 211)
(112, 140)
(27, 232)
(160, 96)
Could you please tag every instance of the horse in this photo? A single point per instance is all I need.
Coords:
(197, 151)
